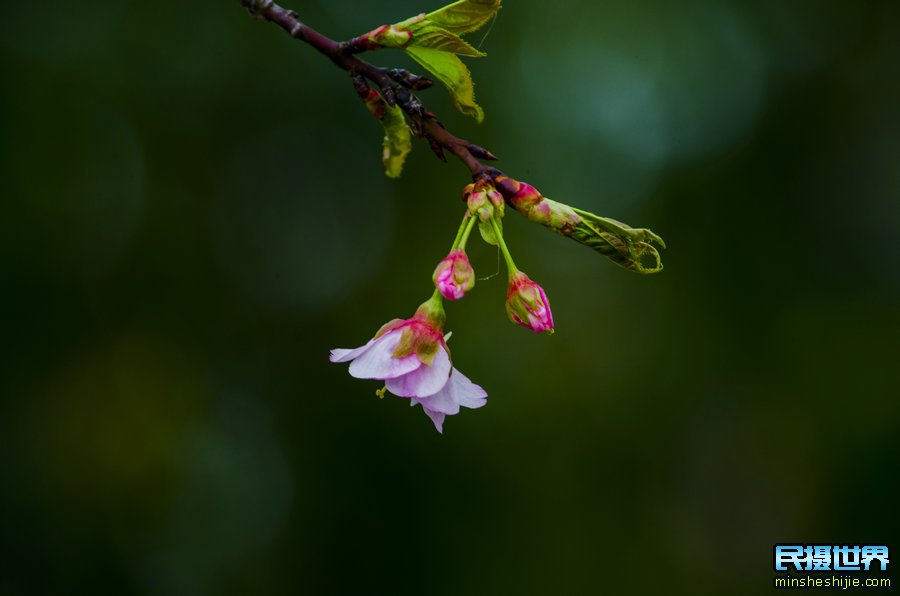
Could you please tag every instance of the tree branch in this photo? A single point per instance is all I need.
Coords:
(394, 84)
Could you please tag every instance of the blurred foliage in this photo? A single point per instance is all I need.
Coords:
(195, 212)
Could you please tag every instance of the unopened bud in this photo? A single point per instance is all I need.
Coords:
(454, 275)
(479, 205)
(497, 201)
(527, 304)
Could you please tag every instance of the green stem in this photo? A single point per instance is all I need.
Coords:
(510, 265)
(460, 231)
(465, 237)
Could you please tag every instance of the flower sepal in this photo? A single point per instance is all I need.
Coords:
(422, 335)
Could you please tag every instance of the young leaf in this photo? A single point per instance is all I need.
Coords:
(464, 16)
(450, 71)
(628, 247)
(397, 141)
(487, 231)
(434, 37)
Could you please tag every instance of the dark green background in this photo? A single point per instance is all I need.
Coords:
(194, 213)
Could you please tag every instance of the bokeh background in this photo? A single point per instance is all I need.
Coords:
(194, 213)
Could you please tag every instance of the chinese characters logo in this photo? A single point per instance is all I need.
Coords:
(827, 557)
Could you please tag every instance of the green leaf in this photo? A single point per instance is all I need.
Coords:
(631, 248)
(436, 38)
(487, 231)
(397, 141)
(464, 16)
(450, 71)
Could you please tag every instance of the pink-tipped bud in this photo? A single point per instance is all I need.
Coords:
(527, 304)
(496, 200)
(454, 275)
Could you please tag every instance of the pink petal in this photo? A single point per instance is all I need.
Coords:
(425, 380)
(465, 392)
(343, 354)
(437, 418)
(442, 401)
(378, 361)
(548, 313)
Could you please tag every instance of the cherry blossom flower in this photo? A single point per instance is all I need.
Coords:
(412, 359)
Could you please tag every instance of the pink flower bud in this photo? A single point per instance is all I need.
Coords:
(454, 275)
(496, 200)
(527, 304)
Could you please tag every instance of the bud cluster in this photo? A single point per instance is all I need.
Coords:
(526, 301)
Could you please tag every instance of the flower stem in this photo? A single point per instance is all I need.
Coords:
(460, 232)
(465, 237)
(510, 265)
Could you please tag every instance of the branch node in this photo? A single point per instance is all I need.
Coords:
(410, 80)
(297, 28)
(257, 8)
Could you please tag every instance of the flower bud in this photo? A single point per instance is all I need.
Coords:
(479, 205)
(497, 201)
(454, 275)
(486, 204)
(527, 304)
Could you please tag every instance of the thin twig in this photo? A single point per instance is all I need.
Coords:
(394, 84)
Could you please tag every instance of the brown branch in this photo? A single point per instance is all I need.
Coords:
(394, 84)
